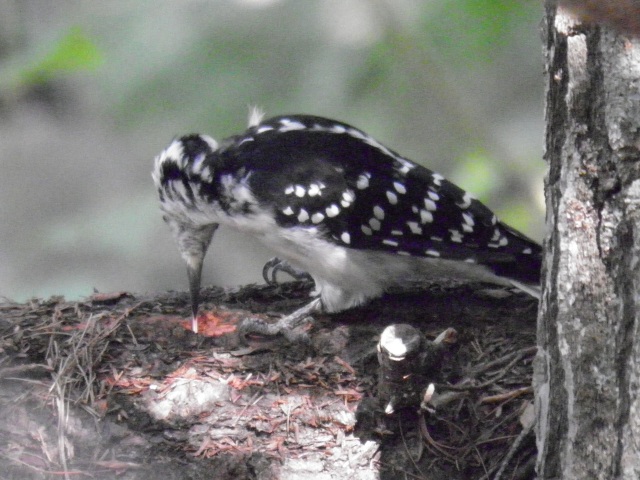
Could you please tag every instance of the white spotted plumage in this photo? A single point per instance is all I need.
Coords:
(363, 181)
(335, 202)
(375, 224)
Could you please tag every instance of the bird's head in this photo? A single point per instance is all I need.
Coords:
(179, 173)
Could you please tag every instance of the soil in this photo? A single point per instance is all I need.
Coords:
(117, 386)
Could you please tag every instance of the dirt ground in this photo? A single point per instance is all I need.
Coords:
(118, 387)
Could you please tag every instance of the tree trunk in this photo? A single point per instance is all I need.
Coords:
(587, 371)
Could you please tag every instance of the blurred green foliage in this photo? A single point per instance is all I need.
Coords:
(471, 30)
(73, 52)
(453, 84)
(519, 215)
(476, 171)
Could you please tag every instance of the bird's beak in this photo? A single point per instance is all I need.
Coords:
(194, 272)
(193, 244)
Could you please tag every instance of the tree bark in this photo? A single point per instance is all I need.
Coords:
(587, 371)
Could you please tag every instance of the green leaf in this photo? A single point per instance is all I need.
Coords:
(72, 53)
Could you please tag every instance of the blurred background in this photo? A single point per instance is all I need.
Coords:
(90, 92)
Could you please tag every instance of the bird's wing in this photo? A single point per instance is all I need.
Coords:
(321, 174)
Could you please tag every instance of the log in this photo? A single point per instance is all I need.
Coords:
(118, 385)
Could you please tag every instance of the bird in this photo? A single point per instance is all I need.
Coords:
(334, 202)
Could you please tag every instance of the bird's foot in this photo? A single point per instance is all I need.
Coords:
(275, 265)
(287, 326)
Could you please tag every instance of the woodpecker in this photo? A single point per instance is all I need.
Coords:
(334, 202)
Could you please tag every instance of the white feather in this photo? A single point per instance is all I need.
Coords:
(256, 114)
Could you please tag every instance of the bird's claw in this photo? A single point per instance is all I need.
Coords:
(275, 265)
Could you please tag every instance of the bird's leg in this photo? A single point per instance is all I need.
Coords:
(275, 265)
(285, 326)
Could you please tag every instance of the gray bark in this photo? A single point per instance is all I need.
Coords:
(587, 371)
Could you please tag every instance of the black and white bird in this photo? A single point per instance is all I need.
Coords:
(332, 201)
